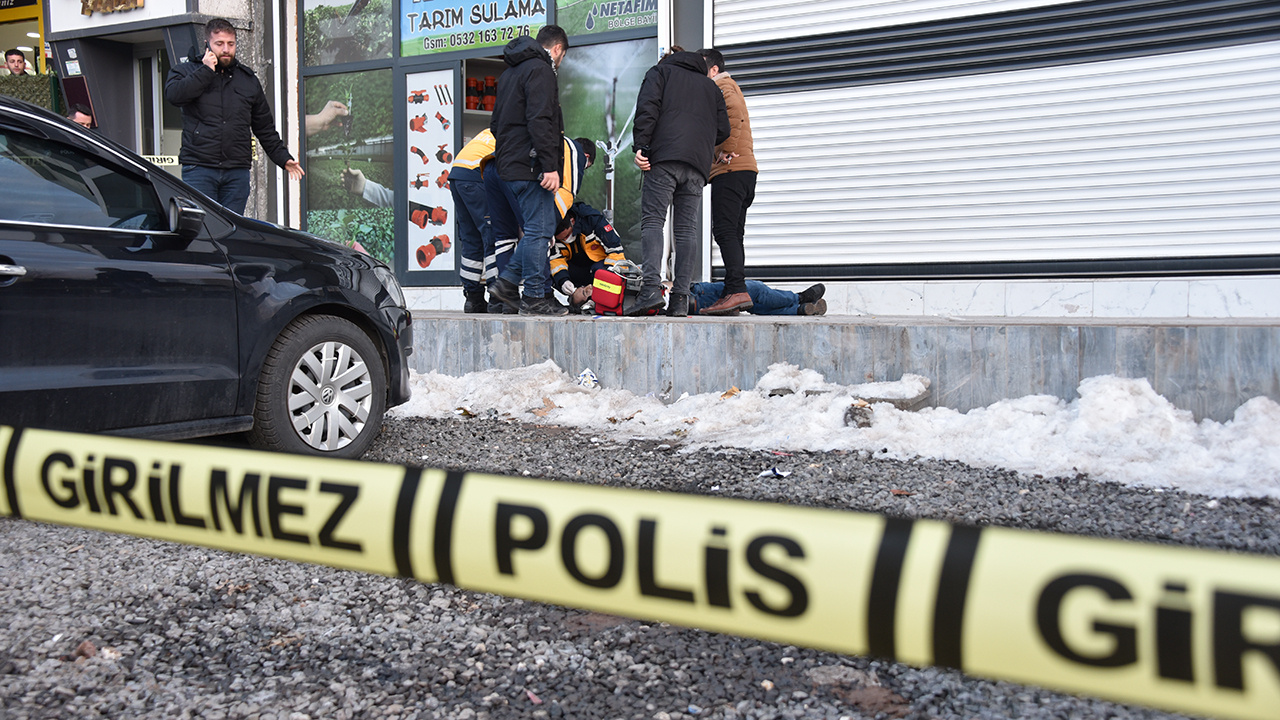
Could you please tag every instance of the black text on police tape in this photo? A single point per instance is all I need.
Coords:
(113, 485)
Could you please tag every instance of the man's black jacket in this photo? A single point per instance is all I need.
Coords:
(680, 114)
(221, 110)
(526, 118)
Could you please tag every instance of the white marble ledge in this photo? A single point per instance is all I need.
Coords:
(1207, 298)
(1234, 297)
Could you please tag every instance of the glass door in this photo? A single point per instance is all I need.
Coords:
(160, 123)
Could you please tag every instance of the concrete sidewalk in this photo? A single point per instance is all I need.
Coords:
(1208, 367)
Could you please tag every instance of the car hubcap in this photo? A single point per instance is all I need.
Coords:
(330, 394)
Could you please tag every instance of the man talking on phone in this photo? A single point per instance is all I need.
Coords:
(223, 105)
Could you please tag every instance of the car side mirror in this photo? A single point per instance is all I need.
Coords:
(185, 218)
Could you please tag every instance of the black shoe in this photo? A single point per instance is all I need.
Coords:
(678, 306)
(542, 306)
(505, 291)
(496, 307)
(818, 307)
(475, 302)
(812, 294)
(646, 303)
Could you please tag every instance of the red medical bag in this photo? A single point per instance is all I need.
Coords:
(608, 291)
(615, 291)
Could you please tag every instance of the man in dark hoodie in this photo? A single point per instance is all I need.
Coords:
(222, 104)
(528, 128)
(680, 119)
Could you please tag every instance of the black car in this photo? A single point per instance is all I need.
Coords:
(131, 304)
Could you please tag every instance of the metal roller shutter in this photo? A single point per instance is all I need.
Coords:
(1163, 156)
(748, 21)
(1084, 138)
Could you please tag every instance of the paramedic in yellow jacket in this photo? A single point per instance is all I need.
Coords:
(475, 237)
(584, 242)
(504, 210)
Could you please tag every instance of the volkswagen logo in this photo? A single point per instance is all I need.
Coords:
(326, 396)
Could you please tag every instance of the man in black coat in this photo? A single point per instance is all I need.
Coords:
(222, 105)
(528, 130)
(680, 118)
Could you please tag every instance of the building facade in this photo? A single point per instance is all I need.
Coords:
(114, 57)
(1101, 157)
(1098, 158)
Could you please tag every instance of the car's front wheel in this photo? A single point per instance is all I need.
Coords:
(322, 391)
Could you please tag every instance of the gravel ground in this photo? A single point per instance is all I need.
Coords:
(97, 625)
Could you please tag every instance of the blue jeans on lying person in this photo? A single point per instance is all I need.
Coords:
(765, 300)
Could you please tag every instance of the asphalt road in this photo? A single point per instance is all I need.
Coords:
(97, 625)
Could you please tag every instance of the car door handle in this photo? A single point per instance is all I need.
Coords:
(12, 270)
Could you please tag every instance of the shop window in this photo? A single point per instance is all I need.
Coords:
(350, 188)
(337, 31)
(598, 88)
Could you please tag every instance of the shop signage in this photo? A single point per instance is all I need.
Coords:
(88, 7)
(450, 25)
(430, 113)
(586, 17)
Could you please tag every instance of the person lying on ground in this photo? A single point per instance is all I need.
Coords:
(765, 300)
(584, 242)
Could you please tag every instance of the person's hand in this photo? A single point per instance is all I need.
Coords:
(210, 60)
(642, 160)
(353, 181)
(550, 181)
(580, 295)
(725, 158)
(323, 120)
(294, 168)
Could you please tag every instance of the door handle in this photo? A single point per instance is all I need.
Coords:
(12, 270)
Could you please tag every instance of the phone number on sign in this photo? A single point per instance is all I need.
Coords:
(476, 37)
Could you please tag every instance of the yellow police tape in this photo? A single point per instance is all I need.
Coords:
(1183, 629)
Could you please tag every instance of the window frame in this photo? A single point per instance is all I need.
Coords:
(94, 171)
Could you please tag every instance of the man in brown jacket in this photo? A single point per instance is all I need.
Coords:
(733, 187)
